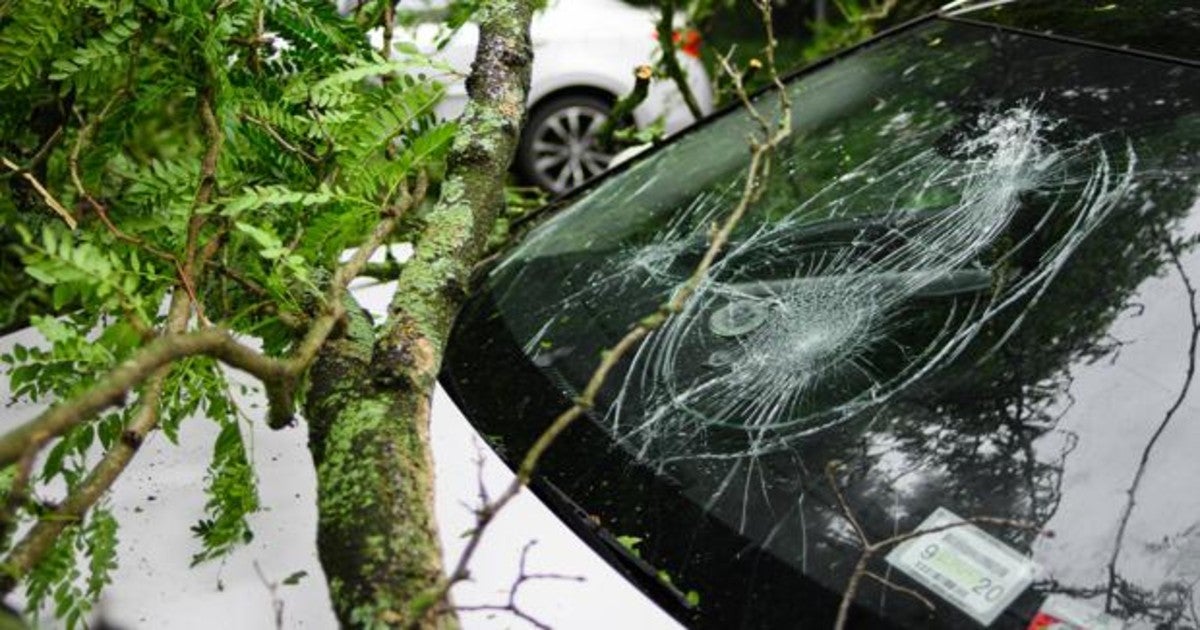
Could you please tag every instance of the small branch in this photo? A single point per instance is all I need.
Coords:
(283, 142)
(292, 320)
(666, 40)
(389, 26)
(831, 476)
(113, 389)
(761, 147)
(41, 190)
(860, 569)
(335, 309)
(82, 140)
(739, 85)
(40, 538)
(214, 139)
(273, 589)
(901, 589)
(871, 549)
(16, 498)
(258, 40)
(523, 576)
(877, 12)
(623, 110)
(41, 154)
(252, 287)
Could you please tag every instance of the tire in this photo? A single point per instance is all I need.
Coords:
(556, 150)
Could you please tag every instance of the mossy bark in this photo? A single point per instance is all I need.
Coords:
(369, 395)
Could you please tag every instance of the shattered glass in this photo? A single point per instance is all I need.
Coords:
(941, 288)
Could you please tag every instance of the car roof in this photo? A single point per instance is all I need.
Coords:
(1162, 28)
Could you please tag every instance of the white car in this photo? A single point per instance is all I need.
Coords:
(585, 53)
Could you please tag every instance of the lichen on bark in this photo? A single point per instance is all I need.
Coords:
(369, 394)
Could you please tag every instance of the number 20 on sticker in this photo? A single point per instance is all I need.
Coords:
(964, 565)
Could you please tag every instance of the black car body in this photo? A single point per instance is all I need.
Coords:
(970, 290)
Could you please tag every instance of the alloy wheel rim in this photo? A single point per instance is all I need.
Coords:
(564, 147)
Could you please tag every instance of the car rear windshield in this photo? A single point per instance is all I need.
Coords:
(969, 288)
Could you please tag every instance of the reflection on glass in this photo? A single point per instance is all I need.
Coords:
(945, 263)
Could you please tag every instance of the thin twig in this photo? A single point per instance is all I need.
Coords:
(771, 135)
(273, 589)
(901, 589)
(869, 550)
(41, 154)
(523, 576)
(283, 142)
(41, 190)
(843, 505)
(877, 12)
(81, 141)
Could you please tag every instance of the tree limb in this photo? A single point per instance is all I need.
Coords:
(369, 406)
(115, 386)
(41, 537)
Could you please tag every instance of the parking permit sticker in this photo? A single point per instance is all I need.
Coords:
(1060, 612)
(964, 565)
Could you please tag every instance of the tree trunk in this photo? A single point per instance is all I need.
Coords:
(368, 403)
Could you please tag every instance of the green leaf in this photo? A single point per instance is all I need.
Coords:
(265, 240)
(263, 196)
(631, 543)
(295, 578)
(432, 144)
(41, 275)
(233, 496)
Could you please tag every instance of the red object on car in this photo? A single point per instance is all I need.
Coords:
(687, 41)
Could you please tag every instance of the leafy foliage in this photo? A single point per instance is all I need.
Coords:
(233, 497)
(60, 581)
(106, 106)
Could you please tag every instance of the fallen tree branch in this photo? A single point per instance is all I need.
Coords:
(153, 367)
(277, 375)
(368, 405)
(771, 135)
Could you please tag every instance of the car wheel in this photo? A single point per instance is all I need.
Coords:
(558, 150)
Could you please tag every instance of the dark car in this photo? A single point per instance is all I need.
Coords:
(957, 333)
